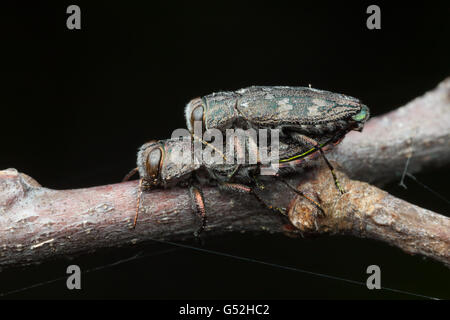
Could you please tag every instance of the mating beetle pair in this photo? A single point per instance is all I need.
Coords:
(309, 122)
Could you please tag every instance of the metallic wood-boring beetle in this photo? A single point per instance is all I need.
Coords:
(159, 166)
(310, 121)
(312, 112)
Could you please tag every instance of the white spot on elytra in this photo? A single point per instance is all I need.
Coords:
(320, 102)
(284, 105)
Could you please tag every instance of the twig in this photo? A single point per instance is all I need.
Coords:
(378, 154)
(368, 212)
(38, 223)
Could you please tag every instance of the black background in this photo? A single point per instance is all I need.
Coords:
(76, 104)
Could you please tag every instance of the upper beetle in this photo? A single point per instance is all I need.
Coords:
(306, 110)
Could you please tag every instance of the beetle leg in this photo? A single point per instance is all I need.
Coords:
(198, 206)
(250, 177)
(138, 204)
(256, 181)
(242, 188)
(303, 195)
(260, 185)
(304, 140)
(207, 144)
(235, 170)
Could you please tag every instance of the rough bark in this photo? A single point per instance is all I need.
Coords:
(368, 212)
(38, 223)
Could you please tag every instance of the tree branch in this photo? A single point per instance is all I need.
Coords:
(419, 130)
(366, 211)
(38, 223)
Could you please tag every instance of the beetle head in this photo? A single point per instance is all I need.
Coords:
(361, 117)
(150, 161)
(195, 111)
(166, 162)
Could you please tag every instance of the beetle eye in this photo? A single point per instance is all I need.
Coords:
(197, 115)
(154, 163)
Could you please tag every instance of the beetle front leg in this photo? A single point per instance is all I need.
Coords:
(142, 187)
(233, 173)
(198, 206)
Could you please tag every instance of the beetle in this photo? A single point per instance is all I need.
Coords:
(160, 166)
(304, 116)
(309, 120)
(304, 110)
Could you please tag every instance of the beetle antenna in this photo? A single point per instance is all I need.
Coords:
(138, 205)
(130, 174)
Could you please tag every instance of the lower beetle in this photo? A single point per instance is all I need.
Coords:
(160, 166)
